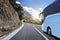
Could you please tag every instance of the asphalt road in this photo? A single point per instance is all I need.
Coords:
(31, 32)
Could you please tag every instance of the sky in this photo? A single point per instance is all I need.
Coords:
(36, 3)
(35, 7)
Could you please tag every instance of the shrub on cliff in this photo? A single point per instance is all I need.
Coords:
(17, 7)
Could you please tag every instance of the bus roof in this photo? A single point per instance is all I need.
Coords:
(52, 8)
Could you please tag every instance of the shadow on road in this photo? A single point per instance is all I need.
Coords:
(53, 36)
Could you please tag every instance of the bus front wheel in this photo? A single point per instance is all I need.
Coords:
(49, 31)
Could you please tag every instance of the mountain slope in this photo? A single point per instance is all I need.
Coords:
(28, 17)
(26, 13)
(8, 16)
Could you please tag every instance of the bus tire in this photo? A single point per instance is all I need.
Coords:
(49, 31)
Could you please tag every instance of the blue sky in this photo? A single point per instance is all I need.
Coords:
(35, 3)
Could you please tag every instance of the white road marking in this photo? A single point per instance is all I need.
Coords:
(13, 33)
(40, 33)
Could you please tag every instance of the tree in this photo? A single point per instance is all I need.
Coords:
(18, 8)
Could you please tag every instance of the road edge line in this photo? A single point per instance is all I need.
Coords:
(13, 33)
(40, 33)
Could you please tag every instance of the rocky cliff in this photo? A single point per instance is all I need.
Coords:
(8, 16)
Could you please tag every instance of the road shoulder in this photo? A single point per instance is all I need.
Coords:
(10, 35)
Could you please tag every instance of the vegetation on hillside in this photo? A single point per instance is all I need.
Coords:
(30, 20)
(18, 8)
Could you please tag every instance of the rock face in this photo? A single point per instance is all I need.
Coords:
(8, 16)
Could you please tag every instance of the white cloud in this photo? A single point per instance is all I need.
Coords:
(18, 2)
(40, 9)
(33, 12)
